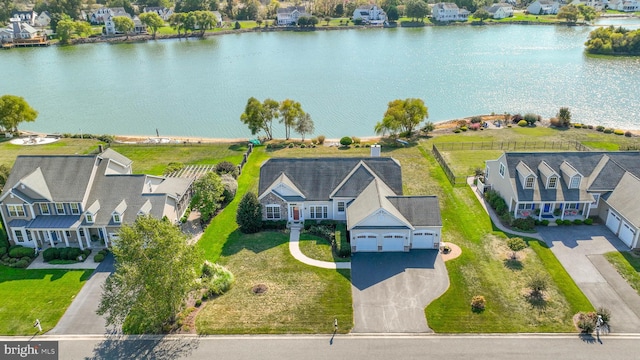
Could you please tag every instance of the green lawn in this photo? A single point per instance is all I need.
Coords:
(9, 151)
(36, 294)
(299, 298)
(150, 159)
(318, 248)
(627, 265)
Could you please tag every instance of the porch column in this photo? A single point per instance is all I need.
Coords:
(106, 237)
(515, 211)
(79, 239)
(562, 211)
(64, 236)
(540, 211)
(588, 210)
(87, 237)
(50, 238)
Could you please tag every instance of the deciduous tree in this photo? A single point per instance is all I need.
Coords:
(153, 21)
(249, 214)
(205, 20)
(402, 115)
(516, 244)
(417, 9)
(207, 195)
(569, 12)
(564, 117)
(588, 13)
(481, 14)
(154, 272)
(123, 24)
(304, 125)
(259, 116)
(290, 111)
(15, 110)
(65, 30)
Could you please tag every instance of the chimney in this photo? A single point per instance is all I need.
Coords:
(375, 150)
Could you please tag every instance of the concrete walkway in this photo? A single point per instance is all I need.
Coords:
(294, 248)
(81, 318)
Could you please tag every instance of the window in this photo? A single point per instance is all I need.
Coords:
(18, 235)
(89, 217)
(75, 209)
(486, 173)
(553, 182)
(575, 182)
(596, 198)
(59, 208)
(501, 170)
(116, 218)
(318, 212)
(340, 206)
(15, 210)
(528, 183)
(273, 212)
(526, 206)
(81, 232)
(68, 233)
(44, 209)
(572, 206)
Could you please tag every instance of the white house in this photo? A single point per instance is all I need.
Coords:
(43, 19)
(163, 12)
(218, 18)
(596, 4)
(110, 26)
(544, 7)
(364, 192)
(17, 30)
(290, 15)
(445, 12)
(28, 17)
(370, 14)
(500, 10)
(630, 6)
(571, 185)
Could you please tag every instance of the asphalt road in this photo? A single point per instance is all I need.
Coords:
(352, 347)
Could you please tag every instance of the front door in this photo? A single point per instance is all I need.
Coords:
(547, 208)
(296, 213)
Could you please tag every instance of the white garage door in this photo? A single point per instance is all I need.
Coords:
(422, 240)
(366, 243)
(626, 234)
(393, 243)
(613, 222)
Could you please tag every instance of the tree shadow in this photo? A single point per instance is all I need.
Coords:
(256, 243)
(587, 338)
(238, 147)
(118, 346)
(513, 264)
(537, 301)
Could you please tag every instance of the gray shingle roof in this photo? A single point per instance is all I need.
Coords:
(419, 210)
(625, 198)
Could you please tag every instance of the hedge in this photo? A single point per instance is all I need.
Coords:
(98, 257)
(274, 225)
(19, 252)
(67, 253)
(343, 248)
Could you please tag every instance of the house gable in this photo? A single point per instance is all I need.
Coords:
(625, 198)
(372, 208)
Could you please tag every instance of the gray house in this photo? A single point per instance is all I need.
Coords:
(366, 193)
(82, 200)
(571, 185)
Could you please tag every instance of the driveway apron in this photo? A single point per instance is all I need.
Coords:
(391, 290)
(81, 318)
(580, 249)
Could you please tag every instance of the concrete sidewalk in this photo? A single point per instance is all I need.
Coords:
(294, 248)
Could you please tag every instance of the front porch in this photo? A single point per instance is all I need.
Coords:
(84, 237)
(552, 211)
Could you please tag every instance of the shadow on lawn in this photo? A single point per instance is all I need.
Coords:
(256, 243)
(11, 274)
(117, 346)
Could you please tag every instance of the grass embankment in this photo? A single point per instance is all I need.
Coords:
(627, 265)
(153, 159)
(9, 151)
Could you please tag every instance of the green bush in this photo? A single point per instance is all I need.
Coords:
(50, 254)
(478, 303)
(577, 126)
(544, 222)
(523, 123)
(21, 264)
(577, 222)
(605, 314)
(587, 322)
(588, 221)
(628, 134)
(73, 253)
(98, 257)
(3, 250)
(198, 303)
(456, 131)
(86, 252)
(323, 231)
(566, 222)
(343, 248)
(308, 223)
(62, 253)
(302, 146)
(274, 224)
(608, 130)
(220, 281)
(618, 132)
(321, 139)
(464, 128)
(346, 141)
(291, 146)
(600, 128)
(559, 221)
(328, 222)
(22, 252)
(525, 224)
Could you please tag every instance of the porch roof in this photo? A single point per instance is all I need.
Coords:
(18, 223)
(55, 222)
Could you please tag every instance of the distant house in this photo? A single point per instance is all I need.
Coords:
(290, 15)
(596, 4)
(16, 31)
(366, 193)
(370, 14)
(163, 12)
(445, 12)
(500, 10)
(218, 18)
(110, 26)
(570, 186)
(43, 19)
(83, 200)
(544, 7)
(631, 6)
(28, 17)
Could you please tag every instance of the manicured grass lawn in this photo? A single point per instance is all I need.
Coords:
(299, 298)
(627, 265)
(9, 151)
(518, 16)
(318, 248)
(465, 162)
(153, 160)
(28, 295)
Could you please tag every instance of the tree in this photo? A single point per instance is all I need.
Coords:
(153, 21)
(417, 9)
(327, 19)
(564, 117)
(538, 282)
(346, 141)
(304, 125)
(123, 24)
(4, 175)
(176, 21)
(65, 30)
(569, 12)
(392, 14)
(516, 244)
(15, 110)
(6, 7)
(588, 13)
(126, 4)
(82, 28)
(207, 195)
(402, 115)
(249, 214)
(259, 21)
(290, 111)
(205, 20)
(428, 127)
(259, 116)
(481, 14)
(154, 273)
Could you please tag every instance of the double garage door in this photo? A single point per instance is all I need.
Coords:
(625, 231)
(389, 242)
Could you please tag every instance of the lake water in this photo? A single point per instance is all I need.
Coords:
(344, 79)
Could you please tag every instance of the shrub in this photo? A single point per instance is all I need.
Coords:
(523, 123)
(554, 122)
(73, 253)
(221, 280)
(356, 140)
(464, 128)
(604, 313)
(588, 221)
(249, 214)
(308, 223)
(608, 130)
(62, 253)
(577, 222)
(475, 127)
(586, 322)
(600, 128)
(291, 146)
(590, 127)
(456, 131)
(323, 231)
(476, 120)
(506, 218)
(321, 139)
(478, 303)
(207, 268)
(618, 132)
(21, 264)
(342, 244)
(198, 303)
(3, 250)
(314, 141)
(628, 134)
(50, 254)
(516, 244)
(559, 221)
(538, 282)
(302, 146)
(21, 252)
(577, 126)
(98, 257)
(346, 141)
(173, 167)
(226, 167)
(566, 222)
(274, 225)
(530, 118)
(86, 252)
(544, 222)
(525, 224)
(516, 118)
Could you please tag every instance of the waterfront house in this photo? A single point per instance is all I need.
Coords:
(500, 10)
(43, 19)
(631, 6)
(570, 186)
(163, 12)
(218, 18)
(82, 200)
(445, 12)
(370, 14)
(596, 4)
(17, 31)
(366, 193)
(28, 16)
(289, 16)
(544, 7)
(110, 26)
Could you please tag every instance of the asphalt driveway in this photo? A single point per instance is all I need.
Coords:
(81, 318)
(391, 290)
(580, 249)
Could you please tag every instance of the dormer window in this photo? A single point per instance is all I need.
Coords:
(89, 217)
(59, 208)
(116, 218)
(44, 209)
(75, 209)
(575, 182)
(553, 182)
(528, 183)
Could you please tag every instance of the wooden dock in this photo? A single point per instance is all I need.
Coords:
(26, 43)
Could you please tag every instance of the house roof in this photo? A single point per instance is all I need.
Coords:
(418, 210)
(373, 199)
(116, 156)
(318, 178)
(625, 198)
(290, 9)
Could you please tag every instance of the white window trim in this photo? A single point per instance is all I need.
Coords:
(117, 218)
(526, 206)
(526, 182)
(596, 199)
(89, 218)
(577, 185)
(502, 170)
(555, 185)
(15, 210)
(76, 210)
(46, 206)
(313, 212)
(58, 212)
(273, 213)
(344, 206)
(572, 206)
(17, 236)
